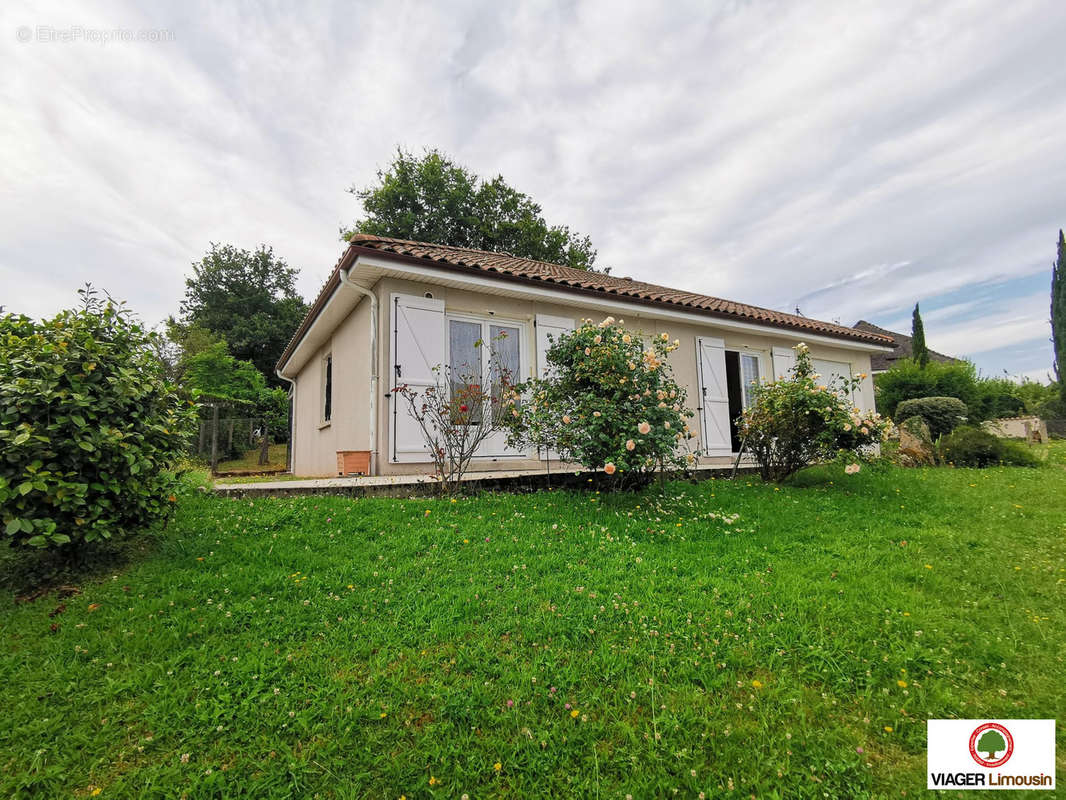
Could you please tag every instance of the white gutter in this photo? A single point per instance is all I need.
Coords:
(292, 415)
(346, 281)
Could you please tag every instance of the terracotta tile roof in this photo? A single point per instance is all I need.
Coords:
(879, 362)
(507, 266)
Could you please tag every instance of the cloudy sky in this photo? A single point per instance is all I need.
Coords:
(848, 158)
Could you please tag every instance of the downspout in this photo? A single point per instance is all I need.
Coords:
(346, 281)
(292, 418)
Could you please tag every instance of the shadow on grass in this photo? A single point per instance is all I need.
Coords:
(30, 574)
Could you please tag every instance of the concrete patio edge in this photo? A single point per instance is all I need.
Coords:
(424, 486)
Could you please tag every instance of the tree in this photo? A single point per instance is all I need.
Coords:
(433, 199)
(248, 299)
(1058, 316)
(919, 351)
(990, 743)
(218, 376)
(90, 427)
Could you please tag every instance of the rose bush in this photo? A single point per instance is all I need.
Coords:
(799, 421)
(611, 404)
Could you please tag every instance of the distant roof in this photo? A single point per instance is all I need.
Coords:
(879, 362)
(526, 270)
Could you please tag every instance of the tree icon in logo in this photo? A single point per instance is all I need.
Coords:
(990, 743)
(991, 738)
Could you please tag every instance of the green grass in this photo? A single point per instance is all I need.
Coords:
(732, 638)
(277, 456)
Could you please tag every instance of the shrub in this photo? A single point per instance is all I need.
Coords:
(968, 446)
(941, 414)
(907, 381)
(611, 404)
(456, 414)
(996, 398)
(89, 427)
(797, 421)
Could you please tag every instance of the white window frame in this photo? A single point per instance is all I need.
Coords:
(486, 323)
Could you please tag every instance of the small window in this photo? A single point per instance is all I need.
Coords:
(327, 388)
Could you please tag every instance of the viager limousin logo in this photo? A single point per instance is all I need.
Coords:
(991, 754)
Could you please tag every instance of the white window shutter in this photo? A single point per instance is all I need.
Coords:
(714, 397)
(784, 362)
(418, 345)
(549, 329)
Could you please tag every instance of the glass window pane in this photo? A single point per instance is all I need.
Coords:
(465, 368)
(749, 368)
(505, 360)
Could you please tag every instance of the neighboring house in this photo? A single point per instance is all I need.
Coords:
(881, 362)
(392, 310)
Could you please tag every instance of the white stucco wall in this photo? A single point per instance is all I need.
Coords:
(316, 445)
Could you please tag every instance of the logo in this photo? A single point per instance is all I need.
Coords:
(995, 741)
(988, 754)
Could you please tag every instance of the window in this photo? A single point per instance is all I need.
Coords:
(749, 373)
(477, 348)
(465, 364)
(504, 361)
(327, 388)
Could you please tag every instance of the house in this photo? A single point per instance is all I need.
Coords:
(392, 310)
(881, 362)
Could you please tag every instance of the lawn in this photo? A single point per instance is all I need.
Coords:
(277, 458)
(730, 638)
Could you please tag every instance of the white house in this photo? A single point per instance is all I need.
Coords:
(392, 310)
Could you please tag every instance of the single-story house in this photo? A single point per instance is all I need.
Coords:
(904, 348)
(392, 310)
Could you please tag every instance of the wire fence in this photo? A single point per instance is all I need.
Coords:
(229, 438)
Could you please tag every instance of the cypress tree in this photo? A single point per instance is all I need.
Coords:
(1058, 316)
(919, 352)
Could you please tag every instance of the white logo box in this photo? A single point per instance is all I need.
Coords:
(950, 765)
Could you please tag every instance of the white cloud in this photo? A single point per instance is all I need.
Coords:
(848, 158)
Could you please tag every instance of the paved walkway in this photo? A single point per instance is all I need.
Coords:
(408, 485)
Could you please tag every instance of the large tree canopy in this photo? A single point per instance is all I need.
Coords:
(246, 298)
(433, 199)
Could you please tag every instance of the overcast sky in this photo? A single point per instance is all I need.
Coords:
(847, 158)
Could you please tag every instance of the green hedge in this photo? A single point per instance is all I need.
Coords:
(941, 414)
(972, 447)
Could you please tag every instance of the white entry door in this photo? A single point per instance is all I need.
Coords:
(714, 397)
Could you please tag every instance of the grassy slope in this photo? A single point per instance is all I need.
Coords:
(364, 648)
